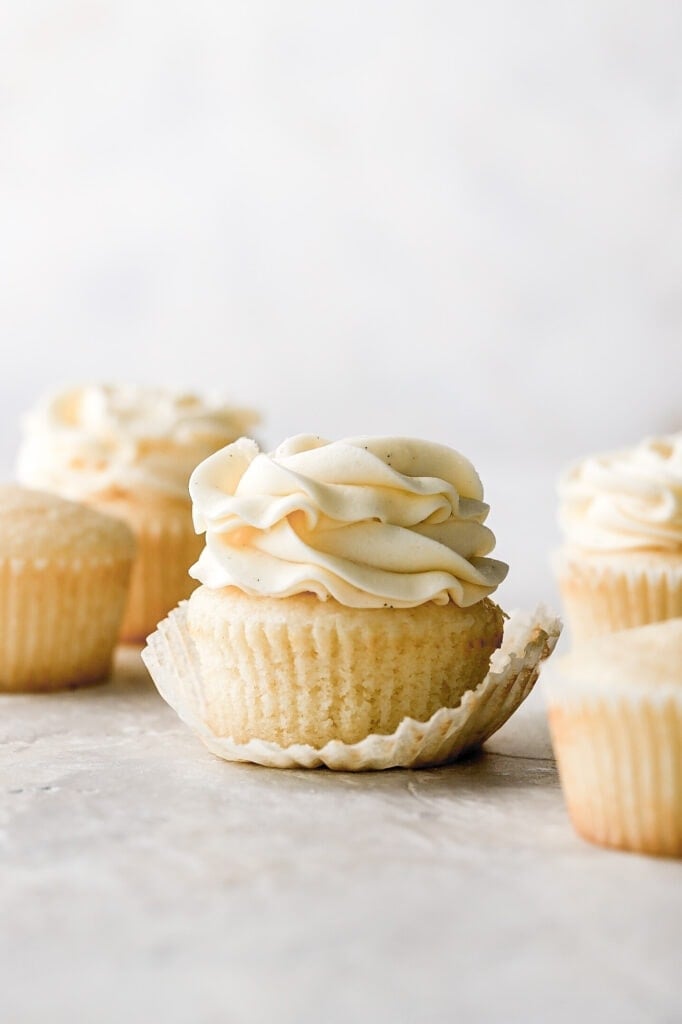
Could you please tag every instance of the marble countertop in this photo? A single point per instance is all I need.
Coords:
(143, 879)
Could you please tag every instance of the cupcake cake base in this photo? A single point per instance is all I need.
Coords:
(307, 671)
(450, 732)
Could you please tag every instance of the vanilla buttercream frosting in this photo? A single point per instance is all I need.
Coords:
(626, 500)
(109, 441)
(369, 521)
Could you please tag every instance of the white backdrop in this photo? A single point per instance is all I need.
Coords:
(456, 220)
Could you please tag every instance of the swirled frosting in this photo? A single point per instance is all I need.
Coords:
(370, 521)
(626, 500)
(106, 441)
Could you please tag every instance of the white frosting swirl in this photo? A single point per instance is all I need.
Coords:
(369, 521)
(108, 441)
(629, 500)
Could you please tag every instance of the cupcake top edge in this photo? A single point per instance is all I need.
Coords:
(371, 522)
(105, 441)
(625, 501)
(37, 526)
(648, 655)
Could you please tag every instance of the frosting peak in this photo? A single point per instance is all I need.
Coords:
(107, 441)
(369, 521)
(626, 500)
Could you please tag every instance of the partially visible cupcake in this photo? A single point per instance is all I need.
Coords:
(621, 562)
(615, 712)
(64, 574)
(345, 592)
(129, 451)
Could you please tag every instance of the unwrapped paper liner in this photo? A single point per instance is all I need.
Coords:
(528, 639)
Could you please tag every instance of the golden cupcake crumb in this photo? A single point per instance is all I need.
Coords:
(64, 576)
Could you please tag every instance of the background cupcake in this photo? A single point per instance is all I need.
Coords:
(64, 573)
(615, 711)
(129, 452)
(621, 563)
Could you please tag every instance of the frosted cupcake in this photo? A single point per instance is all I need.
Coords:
(621, 563)
(129, 452)
(615, 711)
(64, 573)
(345, 593)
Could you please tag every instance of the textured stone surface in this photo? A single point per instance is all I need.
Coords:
(143, 879)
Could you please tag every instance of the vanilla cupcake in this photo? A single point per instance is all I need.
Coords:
(64, 574)
(345, 593)
(615, 712)
(621, 563)
(129, 452)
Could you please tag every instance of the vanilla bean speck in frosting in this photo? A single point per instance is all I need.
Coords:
(369, 521)
(110, 441)
(627, 500)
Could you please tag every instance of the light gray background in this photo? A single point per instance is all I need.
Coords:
(454, 220)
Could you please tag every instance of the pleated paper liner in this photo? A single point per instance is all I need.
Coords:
(59, 620)
(173, 663)
(609, 595)
(619, 751)
(166, 548)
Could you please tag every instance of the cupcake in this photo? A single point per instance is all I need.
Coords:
(345, 593)
(64, 574)
(615, 712)
(621, 562)
(129, 452)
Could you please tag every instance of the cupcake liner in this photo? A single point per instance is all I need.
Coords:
(609, 596)
(60, 621)
(172, 661)
(165, 551)
(619, 753)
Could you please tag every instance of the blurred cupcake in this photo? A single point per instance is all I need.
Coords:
(345, 593)
(621, 563)
(615, 711)
(129, 452)
(64, 574)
